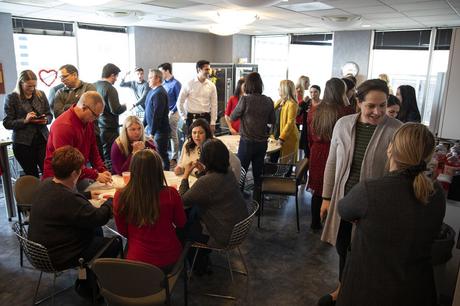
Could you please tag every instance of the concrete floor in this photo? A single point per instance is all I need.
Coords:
(285, 267)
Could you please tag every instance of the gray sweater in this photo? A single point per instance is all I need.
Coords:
(256, 112)
(339, 162)
(219, 201)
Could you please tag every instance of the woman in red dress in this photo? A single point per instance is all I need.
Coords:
(234, 126)
(321, 120)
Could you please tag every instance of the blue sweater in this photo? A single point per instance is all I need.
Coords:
(156, 111)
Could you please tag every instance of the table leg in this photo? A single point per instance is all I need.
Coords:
(6, 180)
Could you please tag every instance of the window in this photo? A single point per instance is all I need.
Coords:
(43, 53)
(411, 58)
(271, 54)
(309, 55)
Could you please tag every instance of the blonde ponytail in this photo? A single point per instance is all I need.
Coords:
(423, 187)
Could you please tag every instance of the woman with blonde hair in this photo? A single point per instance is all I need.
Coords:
(322, 120)
(27, 113)
(384, 77)
(132, 139)
(147, 212)
(289, 134)
(390, 259)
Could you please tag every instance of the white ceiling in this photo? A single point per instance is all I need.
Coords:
(197, 15)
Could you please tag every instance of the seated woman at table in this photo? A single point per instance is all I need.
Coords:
(147, 212)
(132, 139)
(215, 196)
(199, 132)
(390, 259)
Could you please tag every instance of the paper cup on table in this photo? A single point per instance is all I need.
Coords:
(126, 176)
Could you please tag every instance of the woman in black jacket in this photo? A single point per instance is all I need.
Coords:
(27, 113)
(390, 259)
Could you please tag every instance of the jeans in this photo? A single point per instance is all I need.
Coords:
(161, 142)
(173, 120)
(253, 152)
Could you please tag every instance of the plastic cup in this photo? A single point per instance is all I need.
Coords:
(126, 176)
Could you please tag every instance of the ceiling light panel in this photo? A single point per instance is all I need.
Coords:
(305, 7)
(173, 4)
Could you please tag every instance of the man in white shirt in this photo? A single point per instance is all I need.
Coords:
(198, 98)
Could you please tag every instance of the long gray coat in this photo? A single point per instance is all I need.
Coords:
(339, 163)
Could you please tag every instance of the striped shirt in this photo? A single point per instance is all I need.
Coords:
(364, 134)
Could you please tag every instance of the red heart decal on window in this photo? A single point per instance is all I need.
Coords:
(47, 76)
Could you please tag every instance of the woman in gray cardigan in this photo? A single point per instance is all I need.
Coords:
(390, 259)
(358, 151)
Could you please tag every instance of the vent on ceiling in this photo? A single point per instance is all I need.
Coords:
(172, 4)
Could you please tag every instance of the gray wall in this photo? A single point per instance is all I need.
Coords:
(155, 46)
(7, 57)
(152, 46)
(241, 47)
(223, 49)
(352, 46)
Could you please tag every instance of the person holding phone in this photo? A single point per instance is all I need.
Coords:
(27, 113)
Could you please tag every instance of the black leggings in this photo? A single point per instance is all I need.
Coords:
(343, 243)
(31, 157)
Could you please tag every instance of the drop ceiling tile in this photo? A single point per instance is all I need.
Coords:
(425, 5)
(378, 9)
(393, 15)
(433, 12)
(332, 12)
(438, 18)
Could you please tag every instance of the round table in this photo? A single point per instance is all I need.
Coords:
(117, 183)
(233, 141)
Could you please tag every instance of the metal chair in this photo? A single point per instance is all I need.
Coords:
(127, 282)
(39, 258)
(239, 233)
(242, 179)
(24, 191)
(284, 185)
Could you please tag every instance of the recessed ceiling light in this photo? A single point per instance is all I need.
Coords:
(306, 7)
(366, 25)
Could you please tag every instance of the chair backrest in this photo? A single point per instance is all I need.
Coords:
(25, 189)
(241, 229)
(127, 282)
(300, 169)
(242, 178)
(36, 253)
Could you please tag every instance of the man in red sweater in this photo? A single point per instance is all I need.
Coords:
(75, 127)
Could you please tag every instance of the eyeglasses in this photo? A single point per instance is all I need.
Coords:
(63, 77)
(92, 112)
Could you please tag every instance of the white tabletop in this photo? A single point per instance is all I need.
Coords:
(233, 141)
(117, 183)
